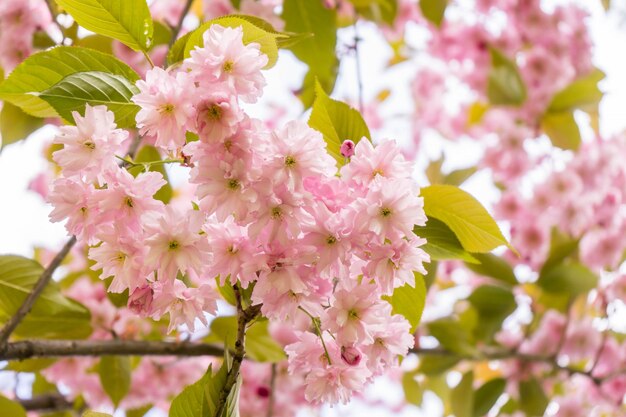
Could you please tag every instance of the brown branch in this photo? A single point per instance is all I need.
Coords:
(47, 402)
(272, 399)
(179, 25)
(28, 303)
(61, 348)
(515, 355)
(244, 316)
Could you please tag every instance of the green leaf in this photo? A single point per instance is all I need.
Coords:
(16, 125)
(115, 377)
(562, 129)
(572, 278)
(318, 51)
(379, 11)
(533, 400)
(493, 305)
(11, 408)
(128, 21)
(53, 316)
(487, 395)
(452, 336)
(459, 176)
(336, 121)
(30, 365)
(259, 344)
(139, 412)
(434, 10)
(561, 247)
(191, 402)
(97, 42)
(75, 91)
(504, 84)
(471, 223)
(462, 396)
(254, 30)
(413, 392)
(436, 364)
(45, 69)
(441, 242)
(493, 266)
(177, 51)
(96, 414)
(149, 153)
(409, 301)
(582, 93)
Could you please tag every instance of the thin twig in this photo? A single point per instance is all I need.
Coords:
(514, 355)
(60, 348)
(179, 25)
(359, 76)
(270, 404)
(28, 303)
(243, 318)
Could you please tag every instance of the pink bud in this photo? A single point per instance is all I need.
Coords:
(263, 392)
(347, 148)
(140, 301)
(350, 355)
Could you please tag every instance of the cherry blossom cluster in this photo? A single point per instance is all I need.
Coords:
(550, 48)
(319, 246)
(598, 220)
(19, 20)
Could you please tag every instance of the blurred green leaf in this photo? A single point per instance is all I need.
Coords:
(505, 86)
(115, 376)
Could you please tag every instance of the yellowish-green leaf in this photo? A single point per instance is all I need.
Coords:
(76, 91)
(336, 121)
(582, 93)
(462, 396)
(16, 125)
(45, 69)
(52, 316)
(11, 408)
(96, 414)
(128, 21)
(307, 17)
(441, 242)
(562, 129)
(434, 10)
(409, 301)
(471, 223)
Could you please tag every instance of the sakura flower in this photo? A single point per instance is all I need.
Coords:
(351, 314)
(299, 152)
(217, 116)
(119, 256)
(183, 304)
(335, 383)
(166, 107)
(89, 148)
(390, 209)
(368, 162)
(231, 249)
(393, 265)
(127, 198)
(73, 200)
(224, 59)
(175, 243)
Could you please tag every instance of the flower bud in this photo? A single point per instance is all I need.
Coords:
(347, 148)
(140, 301)
(350, 355)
